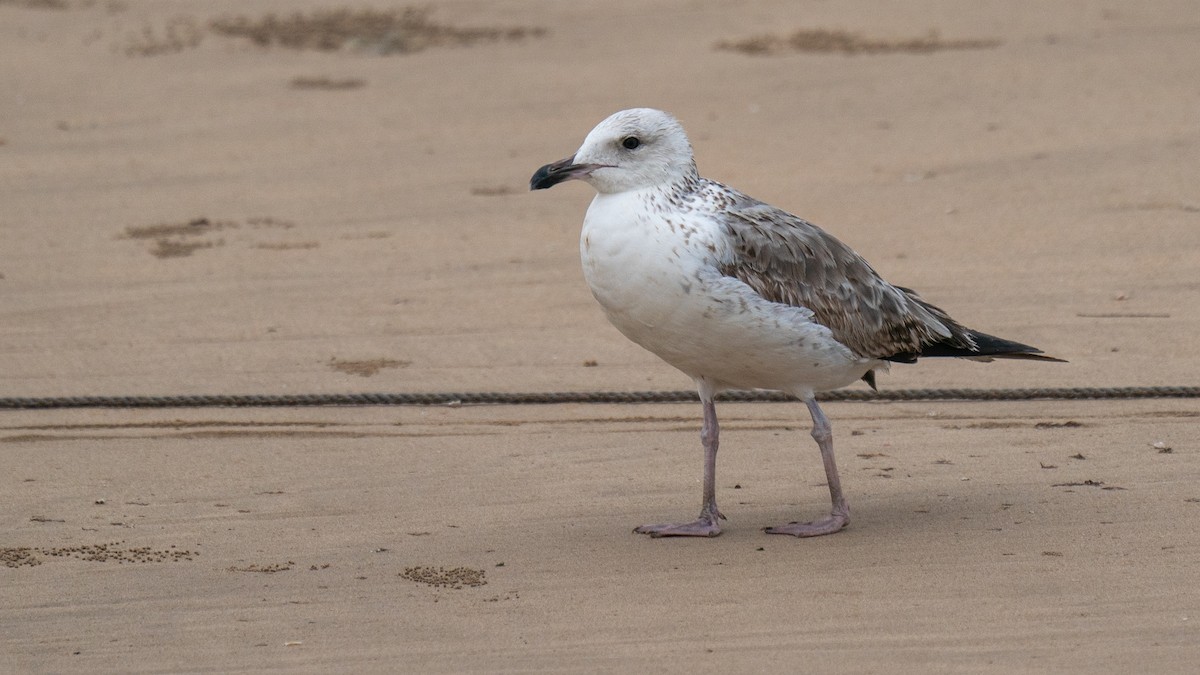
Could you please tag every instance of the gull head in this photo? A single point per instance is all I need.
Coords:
(631, 150)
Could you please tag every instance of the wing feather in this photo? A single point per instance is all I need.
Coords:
(788, 260)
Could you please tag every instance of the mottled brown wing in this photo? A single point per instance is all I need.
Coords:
(791, 261)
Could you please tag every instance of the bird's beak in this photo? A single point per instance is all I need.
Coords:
(562, 170)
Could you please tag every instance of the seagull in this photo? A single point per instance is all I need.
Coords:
(738, 294)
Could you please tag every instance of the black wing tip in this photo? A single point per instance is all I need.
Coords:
(997, 347)
(1030, 356)
(988, 346)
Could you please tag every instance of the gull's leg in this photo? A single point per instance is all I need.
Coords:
(706, 525)
(839, 517)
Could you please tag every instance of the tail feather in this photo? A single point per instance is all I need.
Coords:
(964, 343)
(986, 347)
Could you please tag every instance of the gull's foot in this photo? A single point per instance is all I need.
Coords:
(827, 525)
(702, 527)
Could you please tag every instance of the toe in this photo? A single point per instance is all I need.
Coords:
(699, 528)
(816, 528)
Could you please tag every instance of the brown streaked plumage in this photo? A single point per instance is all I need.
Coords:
(789, 260)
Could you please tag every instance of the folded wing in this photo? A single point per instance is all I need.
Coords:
(788, 260)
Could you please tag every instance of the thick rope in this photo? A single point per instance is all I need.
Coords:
(505, 398)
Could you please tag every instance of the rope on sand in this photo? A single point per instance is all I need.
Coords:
(518, 398)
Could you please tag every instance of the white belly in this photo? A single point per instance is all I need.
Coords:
(658, 283)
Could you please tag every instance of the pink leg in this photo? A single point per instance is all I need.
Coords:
(706, 525)
(839, 517)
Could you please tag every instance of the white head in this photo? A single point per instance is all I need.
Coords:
(631, 150)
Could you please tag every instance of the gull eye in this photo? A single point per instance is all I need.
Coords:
(631, 142)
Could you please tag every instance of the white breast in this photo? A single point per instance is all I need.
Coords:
(638, 268)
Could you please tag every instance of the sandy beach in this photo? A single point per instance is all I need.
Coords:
(273, 197)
